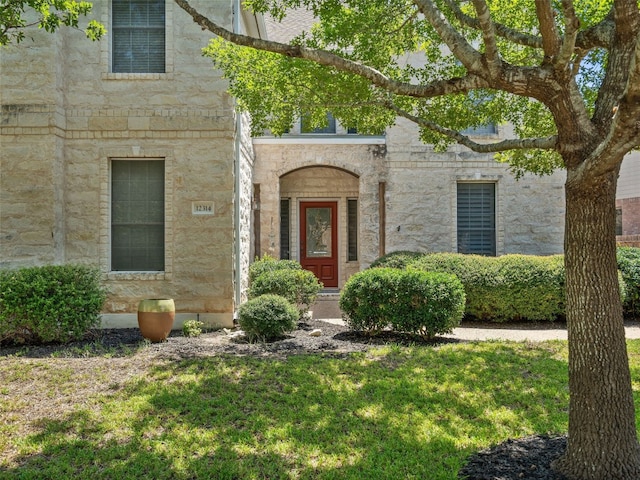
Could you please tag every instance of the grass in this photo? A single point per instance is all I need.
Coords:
(392, 413)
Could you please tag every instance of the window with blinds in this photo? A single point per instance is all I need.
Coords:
(137, 215)
(138, 36)
(352, 230)
(477, 218)
(285, 241)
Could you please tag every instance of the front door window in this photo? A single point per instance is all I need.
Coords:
(318, 232)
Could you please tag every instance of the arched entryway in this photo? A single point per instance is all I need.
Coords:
(319, 215)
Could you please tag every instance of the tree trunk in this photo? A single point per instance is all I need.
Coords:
(602, 432)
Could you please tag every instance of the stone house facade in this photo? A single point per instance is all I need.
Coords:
(128, 154)
(401, 195)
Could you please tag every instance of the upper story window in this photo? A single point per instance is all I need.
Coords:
(330, 128)
(138, 36)
(488, 129)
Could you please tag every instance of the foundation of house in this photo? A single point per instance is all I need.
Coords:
(130, 320)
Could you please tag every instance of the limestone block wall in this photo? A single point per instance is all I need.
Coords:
(244, 208)
(31, 192)
(31, 161)
(66, 117)
(422, 191)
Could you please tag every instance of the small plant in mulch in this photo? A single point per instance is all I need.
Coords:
(192, 328)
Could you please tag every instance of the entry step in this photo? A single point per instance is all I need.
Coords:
(326, 305)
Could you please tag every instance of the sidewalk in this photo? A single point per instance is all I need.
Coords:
(518, 332)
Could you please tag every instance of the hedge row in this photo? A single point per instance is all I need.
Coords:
(424, 303)
(499, 289)
(55, 303)
(516, 287)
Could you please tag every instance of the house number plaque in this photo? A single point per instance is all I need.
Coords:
(202, 208)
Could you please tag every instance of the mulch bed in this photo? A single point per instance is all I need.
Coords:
(523, 458)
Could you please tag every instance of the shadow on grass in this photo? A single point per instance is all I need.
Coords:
(387, 414)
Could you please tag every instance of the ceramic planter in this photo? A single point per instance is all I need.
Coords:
(155, 318)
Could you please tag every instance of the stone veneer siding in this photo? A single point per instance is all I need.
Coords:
(422, 197)
(244, 209)
(65, 117)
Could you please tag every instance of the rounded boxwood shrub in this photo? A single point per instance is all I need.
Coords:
(267, 317)
(300, 287)
(510, 287)
(269, 264)
(424, 303)
(399, 259)
(629, 265)
(55, 303)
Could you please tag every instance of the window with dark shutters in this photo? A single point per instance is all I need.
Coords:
(352, 230)
(285, 247)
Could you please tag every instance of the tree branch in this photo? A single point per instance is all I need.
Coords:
(500, 29)
(571, 27)
(548, 30)
(624, 133)
(488, 34)
(548, 143)
(463, 51)
(323, 57)
(621, 62)
(597, 36)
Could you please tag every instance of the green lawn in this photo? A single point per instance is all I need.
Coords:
(393, 413)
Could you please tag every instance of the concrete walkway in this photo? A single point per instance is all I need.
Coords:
(519, 332)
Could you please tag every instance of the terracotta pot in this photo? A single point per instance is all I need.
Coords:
(155, 318)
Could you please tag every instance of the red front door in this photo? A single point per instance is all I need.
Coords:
(319, 240)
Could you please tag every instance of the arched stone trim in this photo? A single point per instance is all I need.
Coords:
(295, 166)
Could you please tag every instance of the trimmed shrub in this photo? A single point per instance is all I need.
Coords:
(56, 303)
(629, 265)
(511, 287)
(399, 259)
(267, 317)
(424, 303)
(269, 264)
(300, 287)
